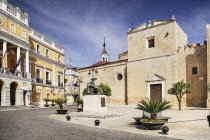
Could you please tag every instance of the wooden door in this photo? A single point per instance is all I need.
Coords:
(156, 92)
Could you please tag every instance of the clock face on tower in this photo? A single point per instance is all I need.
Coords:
(1, 21)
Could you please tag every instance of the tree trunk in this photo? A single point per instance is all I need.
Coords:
(180, 103)
(61, 106)
(154, 116)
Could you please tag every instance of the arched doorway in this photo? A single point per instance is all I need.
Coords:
(13, 87)
(1, 89)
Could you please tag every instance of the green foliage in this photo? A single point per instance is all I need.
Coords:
(52, 100)
(85, 92)
(151, 121)
(179, 89)
(105, 88)
(46, 100)
(60, 102)
(79, 101)
(153, 107)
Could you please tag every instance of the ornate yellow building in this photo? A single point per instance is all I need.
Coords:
(41, 61)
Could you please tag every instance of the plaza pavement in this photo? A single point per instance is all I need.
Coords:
(23, 123)
(189, 123)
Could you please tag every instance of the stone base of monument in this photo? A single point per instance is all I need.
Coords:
(94, 103)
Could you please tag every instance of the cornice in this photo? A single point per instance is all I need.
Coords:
(5, 35)
(43, 58)
(104, 65)
(135, 31)
(6, 15)
(45, 44)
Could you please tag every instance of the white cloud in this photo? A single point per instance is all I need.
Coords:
(83, 36)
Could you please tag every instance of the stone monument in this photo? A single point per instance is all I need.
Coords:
(94, 101)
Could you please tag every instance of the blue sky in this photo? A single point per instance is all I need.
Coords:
(80, 25)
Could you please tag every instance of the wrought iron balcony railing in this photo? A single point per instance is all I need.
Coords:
(39, 80)
(49, 82)
(60, 84)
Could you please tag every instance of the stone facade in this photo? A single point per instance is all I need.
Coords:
(108, 74)
(208, 62)
(158, 55)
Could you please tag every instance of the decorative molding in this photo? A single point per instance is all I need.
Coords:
(155, 77)
(45, 59)
(38, 37)
(39, 65)
(5, 35)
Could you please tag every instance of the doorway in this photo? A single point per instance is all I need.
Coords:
(13, 87)
(156, 92)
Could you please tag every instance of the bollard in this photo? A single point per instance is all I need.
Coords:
(97, 122)
(208, 119)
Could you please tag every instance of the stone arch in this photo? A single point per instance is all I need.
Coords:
(13, 92)
(2, 87)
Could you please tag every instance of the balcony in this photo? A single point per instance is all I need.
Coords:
(60, 84)
(39, 80)
(10, 72)
(49, 82)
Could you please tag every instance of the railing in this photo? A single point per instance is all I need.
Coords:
(48, 82)
(60, 84)
(11, 72)
(39, 80)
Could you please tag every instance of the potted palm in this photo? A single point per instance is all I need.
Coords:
(79, 104)
(46, 100)
(53, 102)
(60, 102)
(153, 107)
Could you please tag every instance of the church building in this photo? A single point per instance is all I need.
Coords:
(158, 55)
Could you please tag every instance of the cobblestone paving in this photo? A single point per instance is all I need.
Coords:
(34, 124)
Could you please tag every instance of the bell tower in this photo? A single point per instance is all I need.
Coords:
(104, 54)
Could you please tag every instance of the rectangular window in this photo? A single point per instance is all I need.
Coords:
(23, 34)
(151, 43)
(47, 75)
(59, 58)
(38, 48)
(59, 78)
(194, 70)
(47, 53)
(48, 95)
(38, 73)
(12, 28)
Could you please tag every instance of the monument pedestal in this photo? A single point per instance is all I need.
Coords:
(94, 103)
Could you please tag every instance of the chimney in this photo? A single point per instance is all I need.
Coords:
(149, 23)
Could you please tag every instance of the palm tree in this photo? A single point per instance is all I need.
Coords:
(153, 107)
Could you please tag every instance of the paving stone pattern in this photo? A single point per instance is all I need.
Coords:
(34, 124)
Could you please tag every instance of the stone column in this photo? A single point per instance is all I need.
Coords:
(19, 97)
(27, 99)
(5, 49)
(18, 57)
(27, 61)
(5, 96)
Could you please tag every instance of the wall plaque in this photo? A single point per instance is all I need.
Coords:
(103, 104)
